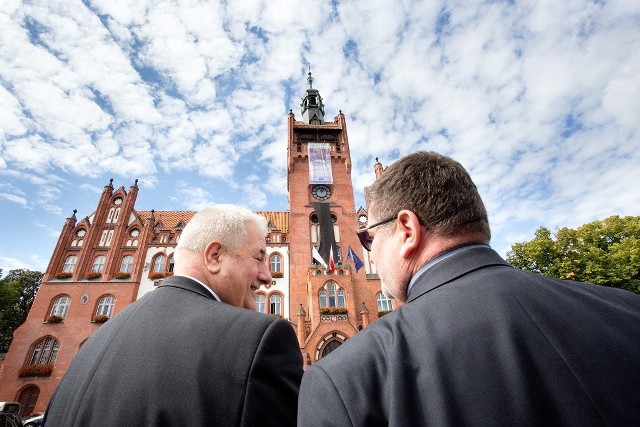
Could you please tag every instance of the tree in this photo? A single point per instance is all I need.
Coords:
(605, 252)
(17, 291)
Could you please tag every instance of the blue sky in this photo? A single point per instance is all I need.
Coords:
(539, 100)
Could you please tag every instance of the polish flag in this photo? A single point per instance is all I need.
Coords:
(317, 257)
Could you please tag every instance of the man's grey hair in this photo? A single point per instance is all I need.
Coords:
(226, 224)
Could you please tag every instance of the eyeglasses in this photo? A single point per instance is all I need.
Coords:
(365, 238)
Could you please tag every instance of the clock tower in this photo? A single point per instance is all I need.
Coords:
(329, 301)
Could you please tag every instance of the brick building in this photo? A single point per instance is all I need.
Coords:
(108, 259)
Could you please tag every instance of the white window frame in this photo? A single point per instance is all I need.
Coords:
(106, 305)
(70, 264)
(97, 266)
(60, 306)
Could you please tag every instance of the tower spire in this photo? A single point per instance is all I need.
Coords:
(312, 106)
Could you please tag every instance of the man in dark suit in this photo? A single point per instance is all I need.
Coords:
(478, 342)
(193, 351)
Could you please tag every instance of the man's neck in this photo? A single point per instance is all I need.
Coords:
(436, 245)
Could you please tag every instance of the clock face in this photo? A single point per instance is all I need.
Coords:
(321, 192)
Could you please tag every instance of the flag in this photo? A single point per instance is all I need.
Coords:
(332, 265)
(317, 257)
(353, 257)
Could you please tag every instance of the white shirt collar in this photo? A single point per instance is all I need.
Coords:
(204, 286)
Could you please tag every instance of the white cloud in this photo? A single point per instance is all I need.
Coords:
(15, 199)
(538, 99)
(191, 197)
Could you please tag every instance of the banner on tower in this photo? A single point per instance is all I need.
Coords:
(320, 163)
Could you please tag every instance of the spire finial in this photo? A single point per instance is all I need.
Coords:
(310, 79)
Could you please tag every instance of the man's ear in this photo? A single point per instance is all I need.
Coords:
(408, 225)
(212, 257)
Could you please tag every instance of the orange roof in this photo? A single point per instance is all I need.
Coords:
(279, 220)
(169, 219)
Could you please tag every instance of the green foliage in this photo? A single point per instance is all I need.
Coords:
(17, 291)
(605, 252)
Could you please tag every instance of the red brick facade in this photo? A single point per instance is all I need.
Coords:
(140, 244)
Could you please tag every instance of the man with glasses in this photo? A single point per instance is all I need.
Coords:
(477, 342)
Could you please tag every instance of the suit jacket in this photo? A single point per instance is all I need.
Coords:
(481, 343)
(178, 357)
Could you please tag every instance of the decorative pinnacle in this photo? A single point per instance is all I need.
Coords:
(310, 79)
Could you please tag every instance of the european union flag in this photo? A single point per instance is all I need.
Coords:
(353, 257)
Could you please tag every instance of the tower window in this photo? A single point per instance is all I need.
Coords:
(384, 303)
(331, 296)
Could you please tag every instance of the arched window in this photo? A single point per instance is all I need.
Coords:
(275, 304)
(110, 216)
(260, 303)
(171, 263)
(340, 298)
(158, 264)
(127, 264)
(323, 298)
(116, 215)
(384, 303)
(44, 352)
(276, 263)
(70, 264)
(331, 296)
(98, 264)
(105, 305)
(60, 306)
(314, 228)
